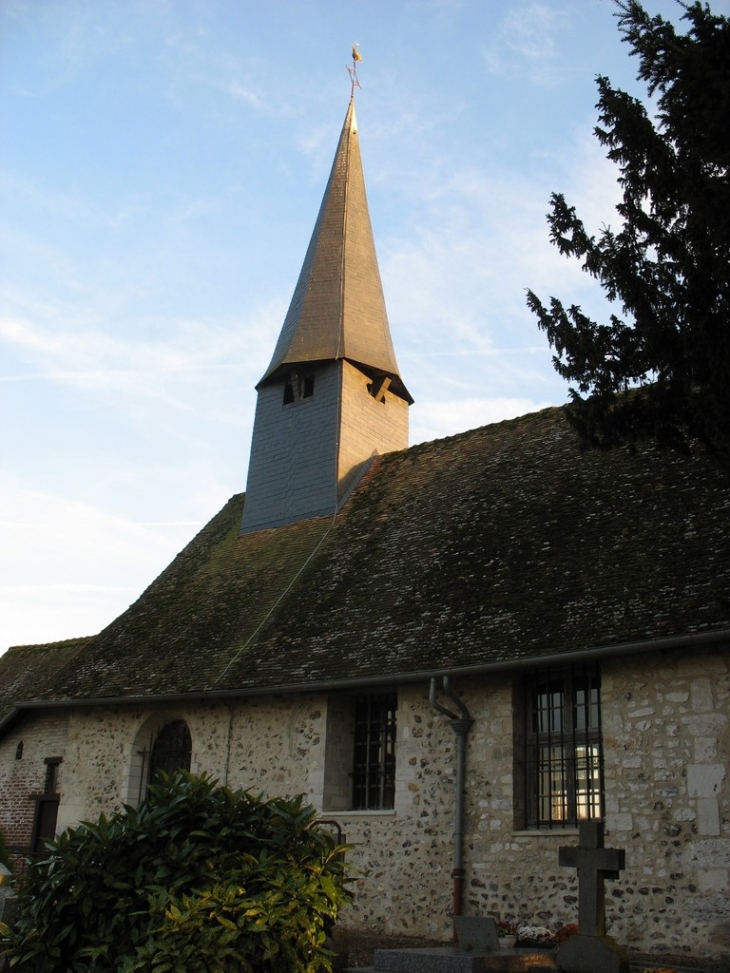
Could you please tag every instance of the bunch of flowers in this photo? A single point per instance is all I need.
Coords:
(506, 927)
(565, 932)
(535, 936)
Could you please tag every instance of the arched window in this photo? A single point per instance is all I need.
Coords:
(171, 750)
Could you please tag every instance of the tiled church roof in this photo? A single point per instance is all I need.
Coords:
(500, 546)
(26, 670)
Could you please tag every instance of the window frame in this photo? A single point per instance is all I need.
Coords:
(375, 725)
(164, 756)
(298, 386)
(563, 746)
(45, 815)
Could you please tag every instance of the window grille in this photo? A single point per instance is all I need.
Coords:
(373, 775)
(171, 750)
(564, 758)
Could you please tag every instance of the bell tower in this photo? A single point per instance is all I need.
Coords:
(332, 396)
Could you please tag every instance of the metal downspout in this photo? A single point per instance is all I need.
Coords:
(460, 723)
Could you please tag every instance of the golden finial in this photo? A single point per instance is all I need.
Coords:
(352, 71)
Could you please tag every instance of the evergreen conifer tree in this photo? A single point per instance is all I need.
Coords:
(661, 367)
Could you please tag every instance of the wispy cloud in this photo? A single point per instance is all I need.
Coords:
(114, 558)
(460, 278)
(438, 419)
(526, 45)
(456, 289)
(242, 92)
(180, 353)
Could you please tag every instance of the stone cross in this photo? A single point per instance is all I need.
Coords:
(595, 864)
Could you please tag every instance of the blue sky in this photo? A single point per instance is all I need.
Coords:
(161, 167)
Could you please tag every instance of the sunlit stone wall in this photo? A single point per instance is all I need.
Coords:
(666, 738)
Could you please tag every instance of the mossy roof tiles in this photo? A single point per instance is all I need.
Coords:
(25, 670)
(498, 546)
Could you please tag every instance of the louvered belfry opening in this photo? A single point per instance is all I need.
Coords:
(564, 752)
(373, 773)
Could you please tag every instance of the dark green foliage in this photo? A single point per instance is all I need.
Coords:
(197, 878)
(4, 860)
(667, 266)
(4, 856)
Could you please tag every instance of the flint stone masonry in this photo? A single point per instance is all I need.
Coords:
(705, 780)
(708, 817)
(709, 852)
(673, 896)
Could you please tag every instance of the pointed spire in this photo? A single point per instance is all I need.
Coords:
(338, 308)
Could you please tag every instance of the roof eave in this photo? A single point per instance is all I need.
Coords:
(286, 367)
(693, 640)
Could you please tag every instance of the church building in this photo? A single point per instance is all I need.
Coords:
(456, 651)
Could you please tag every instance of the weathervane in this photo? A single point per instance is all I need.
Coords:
(352, 71)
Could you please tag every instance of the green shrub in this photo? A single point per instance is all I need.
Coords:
(196, 878)
(4, 854)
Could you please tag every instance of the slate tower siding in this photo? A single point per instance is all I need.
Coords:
(306, 455)
(293, 454)
(368, 426)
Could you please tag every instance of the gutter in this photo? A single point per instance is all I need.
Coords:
(391, 679)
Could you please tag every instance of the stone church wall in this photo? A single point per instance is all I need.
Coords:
(666, 728)
(666, 724)
(262, 745)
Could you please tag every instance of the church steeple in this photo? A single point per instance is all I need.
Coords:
(332, 396)
(338, 308)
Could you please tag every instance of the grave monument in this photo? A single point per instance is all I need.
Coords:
(592, 951)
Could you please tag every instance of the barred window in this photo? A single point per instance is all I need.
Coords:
(373, 773)
(171, 750)
(564, 753)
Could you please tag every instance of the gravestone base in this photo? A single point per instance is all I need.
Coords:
(450, 959)
(7, 910)
(476, 932)
(592, 954)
